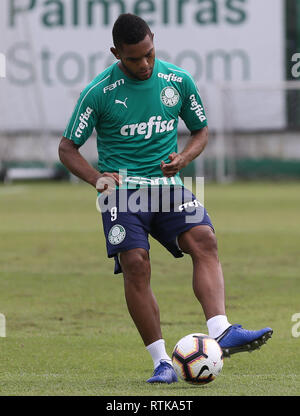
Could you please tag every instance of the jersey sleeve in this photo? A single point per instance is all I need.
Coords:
(192, 110)
(84, 118)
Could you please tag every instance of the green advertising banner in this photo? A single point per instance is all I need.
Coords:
(53, 48)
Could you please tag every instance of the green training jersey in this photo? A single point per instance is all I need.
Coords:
(136, 121)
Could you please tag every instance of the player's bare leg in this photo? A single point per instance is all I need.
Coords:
(140, 299)
(144, 311)
(208, 283)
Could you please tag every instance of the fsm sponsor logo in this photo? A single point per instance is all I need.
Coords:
(195, 106)
(83, 118)
(114, 85)
(147, 128)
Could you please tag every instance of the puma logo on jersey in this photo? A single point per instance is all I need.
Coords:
(122, 102)
(146, 129)
(84, 118)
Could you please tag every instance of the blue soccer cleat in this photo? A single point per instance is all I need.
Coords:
(164, 373)
(236, 339)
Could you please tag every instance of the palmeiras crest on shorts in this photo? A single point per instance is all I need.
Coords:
(169, 96)
(116, 234)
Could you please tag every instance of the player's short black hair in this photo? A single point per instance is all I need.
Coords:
(129, 29)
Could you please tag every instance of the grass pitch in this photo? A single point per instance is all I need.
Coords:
(67, 325)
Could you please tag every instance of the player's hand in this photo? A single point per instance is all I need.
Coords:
(107, 182)
(177, 162)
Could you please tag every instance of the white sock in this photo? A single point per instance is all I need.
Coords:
(158, 352)
(217, 325)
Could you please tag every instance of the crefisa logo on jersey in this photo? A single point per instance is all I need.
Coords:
(170, 77)
(155, 124)
(199, 110)
(84, 118)
(169, 96)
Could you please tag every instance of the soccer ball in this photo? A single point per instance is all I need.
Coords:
(197, 358)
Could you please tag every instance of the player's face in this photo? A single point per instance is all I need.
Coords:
(137, 60)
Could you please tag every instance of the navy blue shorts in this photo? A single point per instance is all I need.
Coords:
(130, 215)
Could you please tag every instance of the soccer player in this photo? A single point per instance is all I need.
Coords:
(134, 105)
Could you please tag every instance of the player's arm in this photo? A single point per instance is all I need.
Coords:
(81, 125)
(193, 149)
(73, 160)
(76, 163)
